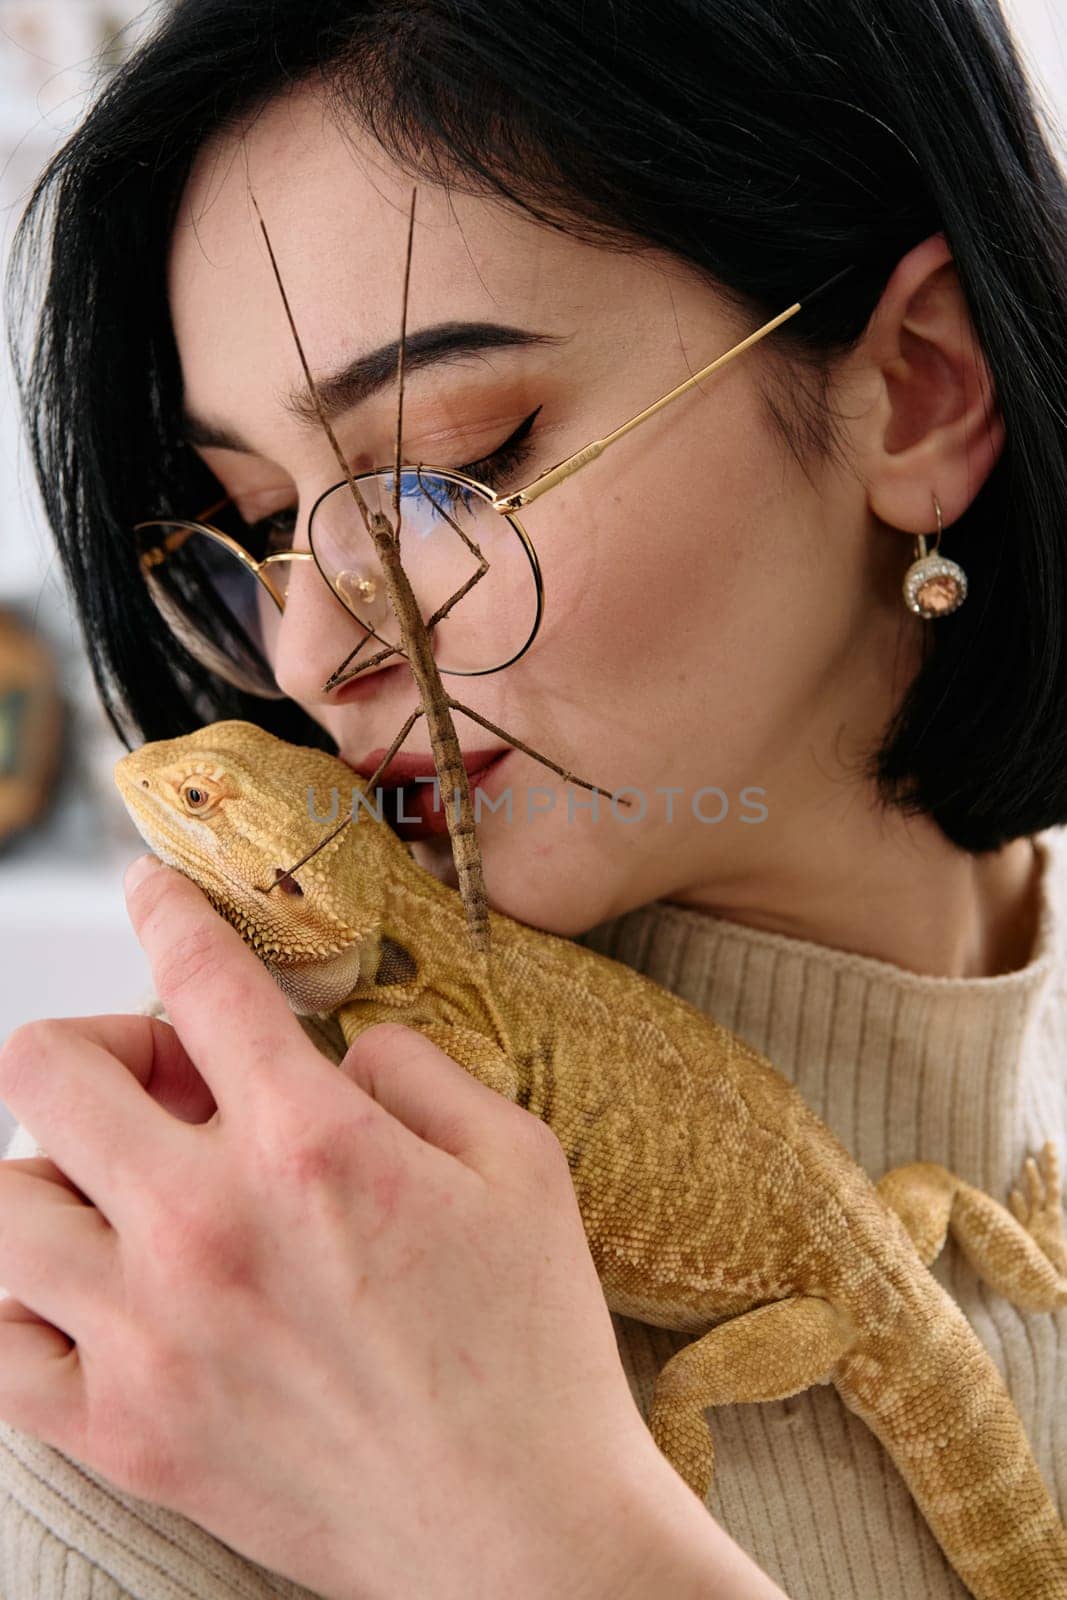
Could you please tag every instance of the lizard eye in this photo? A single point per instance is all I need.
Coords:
(196, 795)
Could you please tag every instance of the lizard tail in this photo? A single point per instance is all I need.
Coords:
(928, 1389)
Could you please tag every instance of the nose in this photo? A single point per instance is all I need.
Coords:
(316, 633)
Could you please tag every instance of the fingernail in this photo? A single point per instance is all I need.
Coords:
(137, 871)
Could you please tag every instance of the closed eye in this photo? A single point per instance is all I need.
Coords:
(506, 458)
(274, 533)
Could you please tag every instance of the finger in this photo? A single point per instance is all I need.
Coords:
(42, 1388)
(44, 1168)
(69, 1081)
(166, 1074)
(12, 1310)
(231, 1016)
(58, 1256)
(153, 1054)
(425, 1089)
(1033, 1184)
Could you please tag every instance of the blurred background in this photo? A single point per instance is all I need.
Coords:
(66, 948)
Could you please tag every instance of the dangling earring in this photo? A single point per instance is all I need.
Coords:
(934, 585)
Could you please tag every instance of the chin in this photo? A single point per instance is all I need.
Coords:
(520, 882)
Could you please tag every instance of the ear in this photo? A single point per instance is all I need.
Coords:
(934, 426)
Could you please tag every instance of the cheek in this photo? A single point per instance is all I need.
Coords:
(650, 583)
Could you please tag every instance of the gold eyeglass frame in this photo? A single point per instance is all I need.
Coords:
(505, 505)
(182, 528)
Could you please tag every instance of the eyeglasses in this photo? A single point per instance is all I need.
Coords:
(222, 586)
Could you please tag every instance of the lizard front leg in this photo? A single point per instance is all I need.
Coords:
(767, 1354)
(1022, 1256)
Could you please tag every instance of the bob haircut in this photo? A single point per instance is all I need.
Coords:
(767, 145)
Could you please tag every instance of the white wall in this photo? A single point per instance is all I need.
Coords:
(1040, 28)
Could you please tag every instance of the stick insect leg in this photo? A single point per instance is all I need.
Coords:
(340, 676)
(442, 611)
(394, 747)
(528, 750)
(286, 876)
(390, 753)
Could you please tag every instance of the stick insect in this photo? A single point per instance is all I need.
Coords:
(435, 703)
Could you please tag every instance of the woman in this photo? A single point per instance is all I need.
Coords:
(847, 846)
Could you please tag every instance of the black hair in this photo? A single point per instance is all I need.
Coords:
(767, 145)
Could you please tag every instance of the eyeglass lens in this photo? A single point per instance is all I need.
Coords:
(215, 605)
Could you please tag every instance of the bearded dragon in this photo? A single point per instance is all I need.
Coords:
(713, 1199)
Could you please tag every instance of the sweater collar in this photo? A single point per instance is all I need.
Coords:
(901, 1066)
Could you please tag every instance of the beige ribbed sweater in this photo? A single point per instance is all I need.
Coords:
(969, 1072)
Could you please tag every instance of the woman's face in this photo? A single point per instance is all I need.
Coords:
(714, 615)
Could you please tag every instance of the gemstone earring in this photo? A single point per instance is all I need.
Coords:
(934, 585)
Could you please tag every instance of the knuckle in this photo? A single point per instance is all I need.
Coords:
(135, 1429)
(314, 1163)
(24, 1050)
(320, 1156)
(333, 1174)
(166, 1368)
(146, 1459)
(200, 1248)
(136, 1464)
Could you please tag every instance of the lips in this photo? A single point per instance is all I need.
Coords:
(406, 768)
(409, 806)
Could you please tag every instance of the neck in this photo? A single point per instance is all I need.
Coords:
(895, 889)
(404, 878)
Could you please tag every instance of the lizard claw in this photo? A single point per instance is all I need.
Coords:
(1041, 1212)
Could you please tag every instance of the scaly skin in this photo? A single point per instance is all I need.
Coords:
(714, 1201)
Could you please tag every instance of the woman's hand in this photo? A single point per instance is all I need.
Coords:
(347, 1321)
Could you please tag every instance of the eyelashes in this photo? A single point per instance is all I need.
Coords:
(274, 533)
(507, 457)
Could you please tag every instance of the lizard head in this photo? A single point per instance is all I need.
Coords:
(234, 808)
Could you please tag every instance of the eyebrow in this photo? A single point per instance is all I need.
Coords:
(365, 375)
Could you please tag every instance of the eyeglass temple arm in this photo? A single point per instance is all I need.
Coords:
(178, 536)
(589, 452)
(173, 541)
